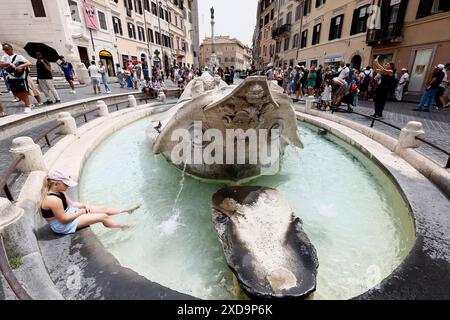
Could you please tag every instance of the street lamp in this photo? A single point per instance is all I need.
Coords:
(160, 35)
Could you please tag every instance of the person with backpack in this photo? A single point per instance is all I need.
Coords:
(15, 68)
(401, 85)
(366, 78)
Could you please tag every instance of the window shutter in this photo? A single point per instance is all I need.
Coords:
(355, 22)
(332, 23)
(341, 26)
(400, 18)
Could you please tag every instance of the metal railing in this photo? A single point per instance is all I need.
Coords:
(4, 179)
(375, 120)
(5, 268)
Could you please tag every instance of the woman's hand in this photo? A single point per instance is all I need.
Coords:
(88, 209)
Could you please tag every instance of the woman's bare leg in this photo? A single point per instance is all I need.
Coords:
(87, 220)
(114, 211)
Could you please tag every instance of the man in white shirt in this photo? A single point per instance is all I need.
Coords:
(95, 77)
(15, 71)
(401, 85)
(341, 81)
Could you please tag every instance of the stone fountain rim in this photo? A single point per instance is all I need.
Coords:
(392, 287)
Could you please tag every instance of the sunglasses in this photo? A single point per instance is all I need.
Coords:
(6, 49)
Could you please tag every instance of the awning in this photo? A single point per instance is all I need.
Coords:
(105, 53)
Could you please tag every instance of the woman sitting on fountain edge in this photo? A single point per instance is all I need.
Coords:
(66, 216)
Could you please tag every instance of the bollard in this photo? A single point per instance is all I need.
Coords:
(309, 102)
(69, 123)
(408, 136)
(162, 96)
(33, 160)
(132, 103)
(102, 108)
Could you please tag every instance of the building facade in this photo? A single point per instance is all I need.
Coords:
(191, 31)
(315, 32)
(414, 34)
(263, 42)
(114, 31)
(229, 51)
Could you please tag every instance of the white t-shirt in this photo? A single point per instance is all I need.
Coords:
(445, 80)
(404, 79)
(93, 71)
(19, 58)
(344, 73)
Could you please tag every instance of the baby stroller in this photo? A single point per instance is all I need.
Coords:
(348, 99)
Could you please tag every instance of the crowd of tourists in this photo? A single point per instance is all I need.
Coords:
(334, 86)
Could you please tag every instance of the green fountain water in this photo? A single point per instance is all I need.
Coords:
(356, 218)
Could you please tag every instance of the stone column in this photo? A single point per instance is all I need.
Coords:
(309, 102)
(33, 160)
(132, 101)
(69, 123)
(102, 108)
(408, 136)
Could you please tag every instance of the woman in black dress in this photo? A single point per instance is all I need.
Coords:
(386, 83)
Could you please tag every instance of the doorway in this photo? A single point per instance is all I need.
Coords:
(107, 58)
(84, 56)
(422, 59)
(356, 61)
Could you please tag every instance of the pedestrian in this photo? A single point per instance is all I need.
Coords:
(129, 78)
(45, 79)
(95, 77)
(432, 88)
(402, 83)
(279, 77)
(15, 67)
(319, 80)
(286, 77)
(227, 76)
(365, 79)
(269, 73)
(311, 81)
(232, 74)
(69, 72)
(440, 95)
(327, 95)
(34, 91)
(104, 74)
(120, 76)
(384, 87)
(340, 80)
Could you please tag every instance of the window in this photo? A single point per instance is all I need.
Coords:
(307, 7)
(320, 3)
(295, 41)
(157, 38)
(73, 6)
(128, 4)
(316, 34)
(131, 31)
(138, 6)
(298, 12)
(267, 19)
(359, 23)
(289, 18)
(117, 24)
(102, 20)
(147, 5)
(154, 9)
(150, 36)
(272, 14)
(336, 27)
(430, 7)
(304, 39)
(141, 34)
(286, 43)
(38, 8)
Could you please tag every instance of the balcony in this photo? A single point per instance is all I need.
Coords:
(390, 33)
(282, 32)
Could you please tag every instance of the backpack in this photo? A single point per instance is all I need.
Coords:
(366, 79)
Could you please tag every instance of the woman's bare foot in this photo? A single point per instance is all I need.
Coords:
(133, 208)
(129, 225)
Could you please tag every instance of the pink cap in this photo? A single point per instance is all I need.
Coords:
(60, 176)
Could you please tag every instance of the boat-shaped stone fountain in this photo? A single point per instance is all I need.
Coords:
(235, 133)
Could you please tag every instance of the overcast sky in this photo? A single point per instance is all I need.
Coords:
(234, 18)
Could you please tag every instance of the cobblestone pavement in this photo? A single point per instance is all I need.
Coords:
(436, 124)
